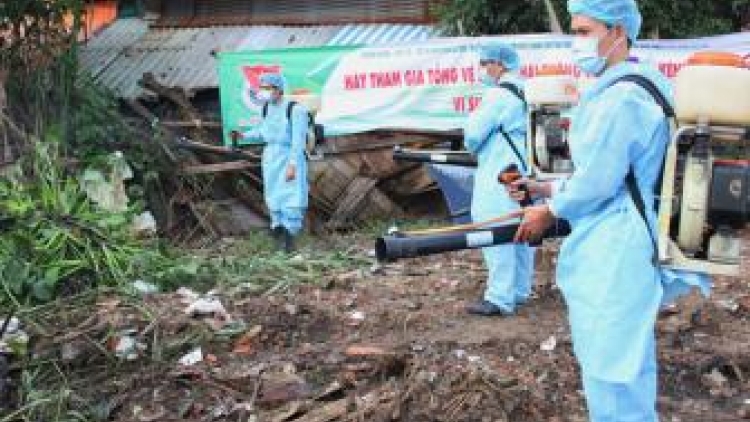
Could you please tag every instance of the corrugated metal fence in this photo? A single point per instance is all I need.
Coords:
(119, 56)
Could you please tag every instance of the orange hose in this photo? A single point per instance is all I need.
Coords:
(466, 227)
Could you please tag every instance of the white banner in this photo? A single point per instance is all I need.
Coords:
(433, 85)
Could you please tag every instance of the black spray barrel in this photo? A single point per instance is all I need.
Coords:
(463, 159)
(393, 247)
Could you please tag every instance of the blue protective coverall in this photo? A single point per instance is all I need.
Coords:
(510, 267)
(285, 144)
(612, 290)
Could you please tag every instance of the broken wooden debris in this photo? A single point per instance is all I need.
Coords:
(217, 167)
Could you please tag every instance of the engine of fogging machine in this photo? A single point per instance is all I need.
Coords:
(708, 167)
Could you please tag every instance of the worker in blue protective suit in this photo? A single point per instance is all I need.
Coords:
(284, 164)
(606, 272)
(496, 134)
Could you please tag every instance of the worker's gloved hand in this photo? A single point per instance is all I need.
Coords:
(512, 174)
(535, 222)
(521, 188)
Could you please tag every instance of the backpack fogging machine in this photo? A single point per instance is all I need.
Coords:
(703, 200)
(705, 193)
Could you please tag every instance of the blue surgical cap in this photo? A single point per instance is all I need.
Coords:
(611, 12)
(501, 53)
(273, 79)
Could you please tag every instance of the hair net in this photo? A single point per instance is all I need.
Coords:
(611, 12)
(273, 79)
(501, 53)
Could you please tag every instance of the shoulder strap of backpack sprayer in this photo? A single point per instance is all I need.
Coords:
(630, 180)
(289, 108)
(515, 91)
(317, 130)
(518, 93)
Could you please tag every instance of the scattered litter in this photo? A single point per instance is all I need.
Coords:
(473, 358)
(357, 316)
(144, 225)
(460, 353)
(192, 358)
(187, 295)
(144, 287)
(208, 306)
(220, 411)
(149, 413)
(717, 384)
(13, 325)
(377, 269)
(730, 305)
(125, 346)
(69, 352)
(108, 191)
(715, 378)
(549, 345)
(14, 341)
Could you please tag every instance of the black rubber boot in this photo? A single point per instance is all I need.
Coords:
(288, 238)
(486, 308)
(277, 234)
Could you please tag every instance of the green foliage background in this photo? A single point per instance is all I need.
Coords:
(662, 18)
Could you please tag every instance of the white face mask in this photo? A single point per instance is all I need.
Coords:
(586, 54)
(485, 78)
(265, 95)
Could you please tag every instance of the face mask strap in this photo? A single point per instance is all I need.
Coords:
(614, 45)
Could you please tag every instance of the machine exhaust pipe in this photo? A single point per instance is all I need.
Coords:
(393, 247)
(462, 159)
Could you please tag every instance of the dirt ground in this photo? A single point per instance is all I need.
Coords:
(389, 343)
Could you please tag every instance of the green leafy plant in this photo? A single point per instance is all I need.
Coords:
(57, 235)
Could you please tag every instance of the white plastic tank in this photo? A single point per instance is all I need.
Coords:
(309, 100)
(714, 88)
(551, 90)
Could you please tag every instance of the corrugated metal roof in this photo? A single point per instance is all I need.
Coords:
(120, 56)
(381, 34)
(102, 49)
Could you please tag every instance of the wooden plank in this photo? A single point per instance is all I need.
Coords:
(216, 149)
(194, 123)
(348, 206)
(217, 167)
(144, 112)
